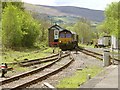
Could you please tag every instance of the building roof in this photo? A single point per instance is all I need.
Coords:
(68, 31)
(56, 27)
(59, 28)
(73, 32)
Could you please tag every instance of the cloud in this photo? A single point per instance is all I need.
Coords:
(64, 2)
(92, 4)
(41, 2)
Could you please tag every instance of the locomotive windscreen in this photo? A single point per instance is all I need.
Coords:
(68, 35)
(62, 35)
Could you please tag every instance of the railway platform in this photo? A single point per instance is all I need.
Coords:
(107, 79)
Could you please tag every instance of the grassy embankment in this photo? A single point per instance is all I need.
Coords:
(79, 77)
(9, 55)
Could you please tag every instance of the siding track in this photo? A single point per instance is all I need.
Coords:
(37, 75)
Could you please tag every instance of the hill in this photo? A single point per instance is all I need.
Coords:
(66, 12)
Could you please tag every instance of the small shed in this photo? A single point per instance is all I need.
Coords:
(53, 35)
(104, 41)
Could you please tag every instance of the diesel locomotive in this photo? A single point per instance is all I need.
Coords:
(62, 38)
(68, 40)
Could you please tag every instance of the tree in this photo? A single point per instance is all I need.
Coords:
(112, 16)
(11, 24)
(83, 29)
(102, 30)
(18, 27)
(16, 4)
(30, 29)
(44, 25)
(0, 9)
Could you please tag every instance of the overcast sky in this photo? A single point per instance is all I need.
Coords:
(91, 4)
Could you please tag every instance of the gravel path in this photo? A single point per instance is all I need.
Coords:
(81, 61)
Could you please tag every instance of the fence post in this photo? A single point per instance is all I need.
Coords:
(106, 58)
(49, 86)
(88, 76)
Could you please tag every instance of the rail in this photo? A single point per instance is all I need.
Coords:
(29, 72)
(95, 53)
(25, 61)
(45, 76)
(29, 82)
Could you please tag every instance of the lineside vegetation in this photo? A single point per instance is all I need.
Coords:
(79, 77)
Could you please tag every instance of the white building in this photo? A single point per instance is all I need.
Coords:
(114, 42)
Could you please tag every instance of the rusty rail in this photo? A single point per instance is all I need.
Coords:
(29, 72)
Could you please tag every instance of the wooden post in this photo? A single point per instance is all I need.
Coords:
(49, 86)
(53, 51)
(60, 53)
(106, 58)
(88, 76)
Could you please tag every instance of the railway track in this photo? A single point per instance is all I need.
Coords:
(36, 75)
(91, 53)
(94, 54)
(33, 60)
(38, 62)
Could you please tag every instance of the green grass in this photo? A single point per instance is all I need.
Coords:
(9, 55)
(19, 69)
(84, 45)
(65, 19)
(13, 56)
(79, 78)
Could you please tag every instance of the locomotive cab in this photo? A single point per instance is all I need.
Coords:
(67, 40)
